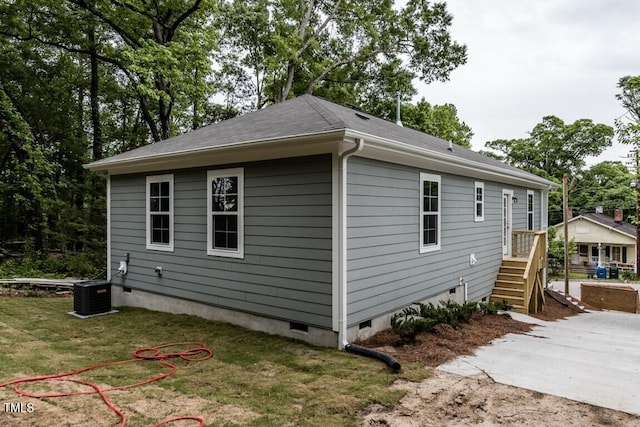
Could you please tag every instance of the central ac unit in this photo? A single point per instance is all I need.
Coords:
(92, 297)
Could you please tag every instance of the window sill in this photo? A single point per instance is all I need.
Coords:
(162, 248)
(226, 254)
(426, 249)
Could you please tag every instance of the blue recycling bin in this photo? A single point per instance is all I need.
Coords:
(601, 272)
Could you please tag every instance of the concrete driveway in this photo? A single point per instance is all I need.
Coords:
(592, 357)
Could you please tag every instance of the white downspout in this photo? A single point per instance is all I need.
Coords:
(342, 280)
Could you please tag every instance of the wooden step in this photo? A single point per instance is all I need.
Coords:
(514, 262)
(511, 284)
(514, 301)
(510, 277)
(512, 270)
(516, 292)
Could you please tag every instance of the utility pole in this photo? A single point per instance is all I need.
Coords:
(565, 208)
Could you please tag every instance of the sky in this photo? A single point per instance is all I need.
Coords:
(532, 58)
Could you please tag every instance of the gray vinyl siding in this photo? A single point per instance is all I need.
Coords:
(286, 270)
(385, 268)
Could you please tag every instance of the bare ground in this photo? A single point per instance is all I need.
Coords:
(453, 400)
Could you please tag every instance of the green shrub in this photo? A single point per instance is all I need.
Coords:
(411, 321)
(80, 264)
(629, 275)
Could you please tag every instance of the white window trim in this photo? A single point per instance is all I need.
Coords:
(533, 209)
(434, 178)
(221, 173)
(476, 217)
(156, 246)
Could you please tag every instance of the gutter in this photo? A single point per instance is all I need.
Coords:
(470, 167)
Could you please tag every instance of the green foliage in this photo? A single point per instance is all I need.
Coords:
(84, 264)
(628, 126)
(555, 148)
(605, 184)
(338, 49)
(629, 276)
(556, 246)
(414, 320)
(438, 120)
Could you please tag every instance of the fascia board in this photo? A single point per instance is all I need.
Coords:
(301, 145)
(397, 152)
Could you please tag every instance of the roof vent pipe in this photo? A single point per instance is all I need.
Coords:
(450, 146)
(398, 121)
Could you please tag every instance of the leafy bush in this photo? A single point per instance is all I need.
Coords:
(413, 320)
(630, 276)
(80, 264)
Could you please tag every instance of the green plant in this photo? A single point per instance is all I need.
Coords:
(413, 320)
(629, 275)
(408, 323)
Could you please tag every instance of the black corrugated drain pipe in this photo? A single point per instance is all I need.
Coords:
(374, 354)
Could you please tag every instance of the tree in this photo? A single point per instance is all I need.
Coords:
(605, 184)
(555, 148)
(438, 120)
(556, 249)
(161, 50)
(335, 48)
(628, 126)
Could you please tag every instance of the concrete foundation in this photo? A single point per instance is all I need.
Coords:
(151, 301)
(316, 336)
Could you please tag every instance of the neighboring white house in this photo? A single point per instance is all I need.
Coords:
(601, 240)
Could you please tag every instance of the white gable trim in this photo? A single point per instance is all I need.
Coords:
(598, 223)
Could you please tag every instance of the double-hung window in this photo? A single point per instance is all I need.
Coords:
(225, 219)
(530, 221)
(430, 210)
(478, 206)
(160, 212)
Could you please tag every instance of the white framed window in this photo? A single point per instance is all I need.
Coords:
(160, 212)
(430, 236)
(478, 204)
(530, 210)
(225, 213)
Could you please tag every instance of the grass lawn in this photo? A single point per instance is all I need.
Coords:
(253, 379)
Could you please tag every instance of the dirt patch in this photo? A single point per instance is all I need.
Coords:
(450, 400)
(453, 400)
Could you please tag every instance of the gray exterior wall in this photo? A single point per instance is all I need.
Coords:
(386, 270)
(286, 270)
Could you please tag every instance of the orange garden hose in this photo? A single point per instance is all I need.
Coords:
(197, 353)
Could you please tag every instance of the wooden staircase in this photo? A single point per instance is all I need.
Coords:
(520, 279)
(510, 284)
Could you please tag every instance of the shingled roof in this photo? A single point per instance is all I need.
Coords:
(305, 115)
(608, 222)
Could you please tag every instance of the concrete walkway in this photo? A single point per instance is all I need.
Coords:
(592, 357)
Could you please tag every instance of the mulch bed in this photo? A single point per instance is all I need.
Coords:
(446, 343)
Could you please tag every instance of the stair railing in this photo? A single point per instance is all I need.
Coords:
(532, 246)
